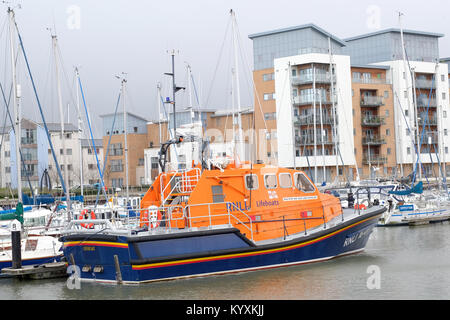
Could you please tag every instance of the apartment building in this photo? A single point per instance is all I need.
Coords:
(113, 136)
(339, 106)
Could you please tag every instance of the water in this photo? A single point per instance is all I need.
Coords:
(413, 263)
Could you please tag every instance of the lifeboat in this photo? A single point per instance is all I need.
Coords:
(221, 220)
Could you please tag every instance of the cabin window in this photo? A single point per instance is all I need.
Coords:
(251, 182)
(302, 183)
(270, 181)
(285, 180)
(217, 194)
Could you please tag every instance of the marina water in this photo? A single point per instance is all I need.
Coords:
(398, 263)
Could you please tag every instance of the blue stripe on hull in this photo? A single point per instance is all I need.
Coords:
(335, 243)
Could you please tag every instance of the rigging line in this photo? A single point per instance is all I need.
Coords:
(409, 130)
(40, 110)
(14, 131)
(425, 123)
(93, 143)
(218, 61)
(65, 74)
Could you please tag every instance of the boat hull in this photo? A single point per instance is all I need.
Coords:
(201, 253)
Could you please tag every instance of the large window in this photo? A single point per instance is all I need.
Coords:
(302, 183)
(251, 182)
(270, 181)
(285, 180)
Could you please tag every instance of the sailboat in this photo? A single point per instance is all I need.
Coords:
(216, 219)
(34, 249)
(410, 205)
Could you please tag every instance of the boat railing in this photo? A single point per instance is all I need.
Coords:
(184, 182)
(129, 220)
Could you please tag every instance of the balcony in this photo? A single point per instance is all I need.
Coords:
(424, 102)
(424, 84)
(372, 101)
(374, 159)
(373, 140)
(432, 121)
(372, 121)
(430, 137)
(309, 120)
(308, 100)
(371, 80)
(308, 140)
(321, 77)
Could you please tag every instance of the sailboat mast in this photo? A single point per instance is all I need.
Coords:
(61, 112)
(322, 136)
(314, 122)
(16, 97)
(125, 138)
(80, 133)
(238, 95)
(332, 96)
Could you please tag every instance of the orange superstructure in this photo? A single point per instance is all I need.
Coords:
(263, 202)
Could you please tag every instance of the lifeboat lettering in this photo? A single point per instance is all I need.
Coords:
(237, 206)
(264, 203)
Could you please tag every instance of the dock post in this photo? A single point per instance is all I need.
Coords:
(16, 251)
(117, 266)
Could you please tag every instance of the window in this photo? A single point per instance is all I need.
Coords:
(446, 149)
(268, 76)
(294, 72)
(251, 181)
(270, 116)
(443, 77)
(285, 180)
(217, 194)
(388, 150)
(386, 94)
(302, 183)
(444, 114)
(388, 132)
(270, 181)
(408, 150)
(69, 152)
(445, 132)
(443, 95)
(269, 96)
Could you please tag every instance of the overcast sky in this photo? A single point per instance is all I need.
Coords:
(106, 38)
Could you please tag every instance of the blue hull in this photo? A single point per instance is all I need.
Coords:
(201, 253)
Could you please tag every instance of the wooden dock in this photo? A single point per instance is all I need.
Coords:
(38, 272)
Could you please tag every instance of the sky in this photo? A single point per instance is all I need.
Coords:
(134, 39)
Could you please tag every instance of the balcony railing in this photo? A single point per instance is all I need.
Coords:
(431, 137)
(374, 159)
(309, 120)
(423, 102)
(373, 140)
(372, 101)
(308, 140)
(424, 84)
(371, 81)
(320, 77)
(372, 121)
(432, 121)
(305, 100)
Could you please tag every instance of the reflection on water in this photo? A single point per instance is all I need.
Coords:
(414, 263)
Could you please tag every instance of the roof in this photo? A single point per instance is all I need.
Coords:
(221, 113)
(423, 33)
(370, 66)
(56, 127)
(86, 143)
(445, 59)
(198, 109)
(131, 114)
(304, 26)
